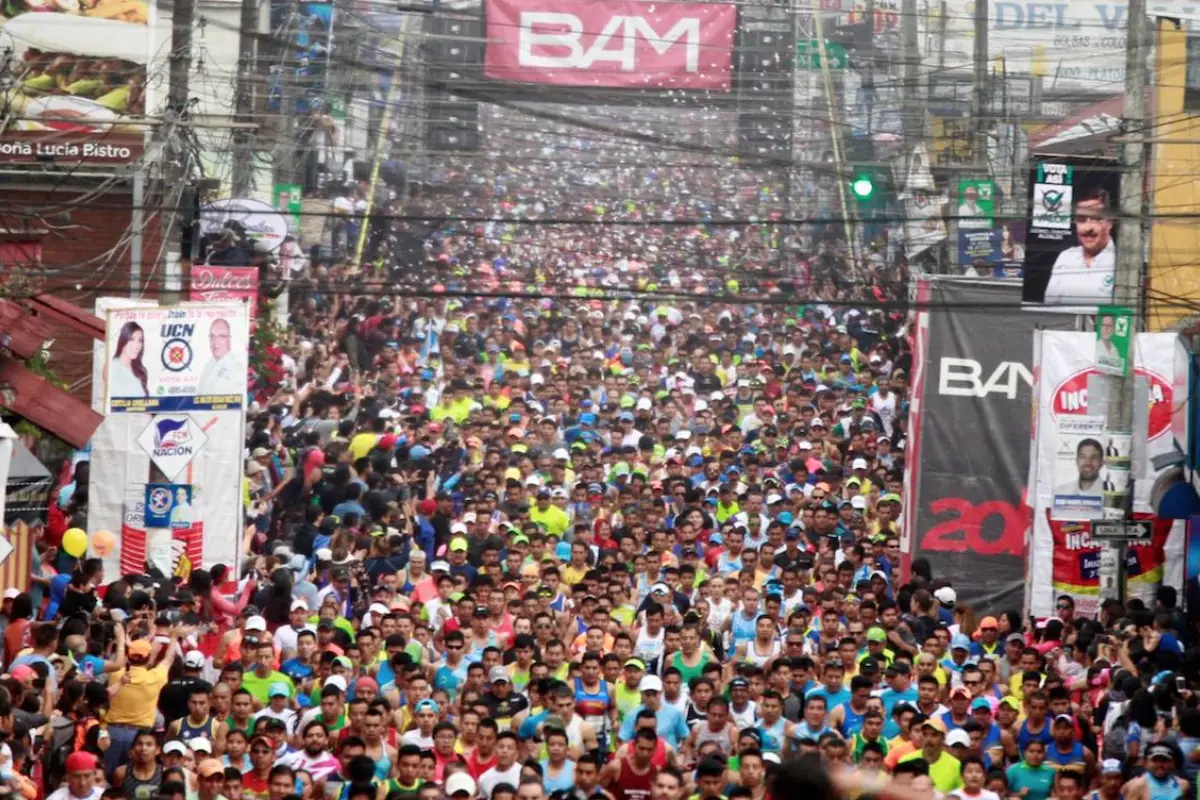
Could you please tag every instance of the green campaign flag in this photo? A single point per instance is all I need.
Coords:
(1114, 332)
(287, 200)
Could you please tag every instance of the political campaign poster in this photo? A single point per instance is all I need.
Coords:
(169, 505)
(1069, 386)
(1114, 327)
(1077, 571)
(172, 441)
(172, 551)
(976, 204)
(997, 252)
(1070, 242)
(1078, 462)
(171, 359)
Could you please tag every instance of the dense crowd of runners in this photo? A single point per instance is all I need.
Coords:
(602, 510)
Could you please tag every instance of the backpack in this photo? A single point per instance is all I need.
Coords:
(1114, 739)
(59, 744)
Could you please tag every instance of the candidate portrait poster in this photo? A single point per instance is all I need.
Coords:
(181, 358)
(1071, 236)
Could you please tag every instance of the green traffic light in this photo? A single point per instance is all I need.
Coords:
(862, 187)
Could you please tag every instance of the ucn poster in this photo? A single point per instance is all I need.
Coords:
(185, 358)
(1070, 242)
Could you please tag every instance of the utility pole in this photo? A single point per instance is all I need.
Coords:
(980, 99)
(849, 212)
(384, 142)
(1127, 289)
(176, 173)
(285, 158)
(914, 117)
(868, 69)
(243, 135)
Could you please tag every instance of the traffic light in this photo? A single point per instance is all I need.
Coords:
(863, 187)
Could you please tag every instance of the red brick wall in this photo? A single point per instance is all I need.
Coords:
(80, 232)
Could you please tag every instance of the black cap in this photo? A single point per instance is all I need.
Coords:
(481, 611)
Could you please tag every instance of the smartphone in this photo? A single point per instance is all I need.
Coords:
(1180, 683)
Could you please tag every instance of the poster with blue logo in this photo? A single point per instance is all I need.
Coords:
(176, 358)
(169, 505)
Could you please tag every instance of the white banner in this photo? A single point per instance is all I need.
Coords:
(181, 358)
(1070, 394)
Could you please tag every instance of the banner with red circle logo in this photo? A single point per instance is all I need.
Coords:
(1063, 559)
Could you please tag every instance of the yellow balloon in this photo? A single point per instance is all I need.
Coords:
(103, 543)
(74, 542)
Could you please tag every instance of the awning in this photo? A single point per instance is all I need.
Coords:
(1089, 132)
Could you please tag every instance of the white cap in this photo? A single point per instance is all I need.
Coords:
(650, 683)
(200, 744)
(958, 737)
(683, 435)
(301, 603)
(561, 454)
(194, 660)
(379, 608)
(458, 527)
(335, 680)
(460, 782)
(700, 405)
(717, 396)
(439, 566)
(324, 554)
(256, 623)
(946, 596)
(10, 594)
(859, 502)
(558, 491)
(1111, 766)
(773, 499)
(175, 746)
(804, 444)
(536, 379)
(858, 463)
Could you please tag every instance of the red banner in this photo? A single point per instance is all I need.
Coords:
(217, 284)
(611, 44)
(1077, 563)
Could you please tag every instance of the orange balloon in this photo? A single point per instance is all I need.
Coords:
(103, 543)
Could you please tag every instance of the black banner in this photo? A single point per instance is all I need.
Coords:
(974, 351)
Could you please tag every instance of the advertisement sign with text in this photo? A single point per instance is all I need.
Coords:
(184, 358)
(225, 284)
(1070, 241)
(998, 251)
(969, 439)
(82, 86)
(611, 44)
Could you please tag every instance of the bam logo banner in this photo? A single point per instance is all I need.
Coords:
(611, 44)
(186, 358)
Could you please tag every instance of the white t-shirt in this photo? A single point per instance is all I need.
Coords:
(984, 794)
(65, 794)
(494, 777)
(1074, 282)
(414, 737)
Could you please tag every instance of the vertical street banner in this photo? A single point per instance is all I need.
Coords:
(1070, 450)
(968, 450)
(1070, 241)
